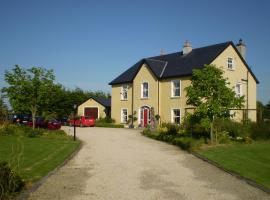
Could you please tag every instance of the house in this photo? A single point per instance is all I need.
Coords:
(95, 108)
(155, 85)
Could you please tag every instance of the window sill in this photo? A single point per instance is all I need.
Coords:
(144, 98)
(124, 100)
(175, 97)
(230, 69)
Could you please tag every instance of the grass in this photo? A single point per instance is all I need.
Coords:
(248, 160)
(109, 125)
(35, 157)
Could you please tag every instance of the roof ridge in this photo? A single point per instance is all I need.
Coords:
(180, 52)
(155, 60)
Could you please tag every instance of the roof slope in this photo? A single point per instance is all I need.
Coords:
(103, 101)
(177, 64)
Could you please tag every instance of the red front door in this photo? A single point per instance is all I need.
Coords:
(145, 117)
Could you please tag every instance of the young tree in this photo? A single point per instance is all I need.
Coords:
(29, 89)
(3, 109)
(211, 95)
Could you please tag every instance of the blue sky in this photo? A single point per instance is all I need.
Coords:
(89, 43)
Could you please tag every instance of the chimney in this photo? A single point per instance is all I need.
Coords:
(241, 47)
(187, 48)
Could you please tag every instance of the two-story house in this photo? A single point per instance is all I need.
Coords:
(155, 85)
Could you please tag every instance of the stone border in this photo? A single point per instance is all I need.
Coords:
(247, 180)
(24, 195)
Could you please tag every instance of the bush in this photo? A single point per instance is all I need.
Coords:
(188, 143)
(172, 129)
(105, 120)
(10, 181)
(260, 130)
(235, 129)
(109, 125)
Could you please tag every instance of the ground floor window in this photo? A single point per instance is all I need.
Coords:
(124, 115)
(176, 116)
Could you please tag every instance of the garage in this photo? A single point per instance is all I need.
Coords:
(91, 112)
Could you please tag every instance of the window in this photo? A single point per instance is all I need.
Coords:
(176, 88)
(238, 90)
(124, 115)
(124, 91)
(230, 63)
(144, 90)
(176, 116)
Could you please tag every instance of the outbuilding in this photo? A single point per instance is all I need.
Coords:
(96, 108)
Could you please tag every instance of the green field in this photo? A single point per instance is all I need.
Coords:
(34, 157)
(249, 160)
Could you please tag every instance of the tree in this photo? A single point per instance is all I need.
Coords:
(211, 96)
(260, 111)
(29, 89)
(3, 109)
(266, 113)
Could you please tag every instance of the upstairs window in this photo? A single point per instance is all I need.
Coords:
(176, 88)
(124, 92)
(238, 90)
(176, 116)
(230, 63)
(144, 90)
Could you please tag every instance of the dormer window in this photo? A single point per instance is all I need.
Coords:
(144, 90)
(230, 64)
(124, 92)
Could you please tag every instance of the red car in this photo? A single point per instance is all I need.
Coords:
(51, 124)
(82, 121)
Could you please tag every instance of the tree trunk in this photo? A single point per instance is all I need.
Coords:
(34, 111)
(211, 132)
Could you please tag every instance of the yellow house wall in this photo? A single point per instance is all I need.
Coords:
(236, 76)
(168, 102)
(145, 75)
(118, 104)
(92, 103)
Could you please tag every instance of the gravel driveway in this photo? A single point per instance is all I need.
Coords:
(120, 164)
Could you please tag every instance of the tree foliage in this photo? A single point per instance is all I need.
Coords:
(28, 89)
(211, 95)
(34, 91)
(3, 109)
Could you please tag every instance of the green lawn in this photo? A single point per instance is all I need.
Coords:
(34, 157)
(249, 160)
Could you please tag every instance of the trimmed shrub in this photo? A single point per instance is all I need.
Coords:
(10, 181)
(109, 125)
(105, 120)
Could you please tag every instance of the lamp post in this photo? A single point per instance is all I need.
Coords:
(74, 106)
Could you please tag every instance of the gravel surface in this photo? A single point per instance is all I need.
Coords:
(120, 164)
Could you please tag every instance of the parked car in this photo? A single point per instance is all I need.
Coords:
(51, 124)
(82, 121)
(21, 118)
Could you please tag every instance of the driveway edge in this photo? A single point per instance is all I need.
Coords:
(247, 180)
(26, 194)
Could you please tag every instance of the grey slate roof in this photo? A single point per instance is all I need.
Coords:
(103, 101)
(177, 64)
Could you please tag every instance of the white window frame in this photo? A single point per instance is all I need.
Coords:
(173, 88)
(142, 90)
(122, 115)
(240, 92)
(232, 64)
(124, 89)
(173, 116)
